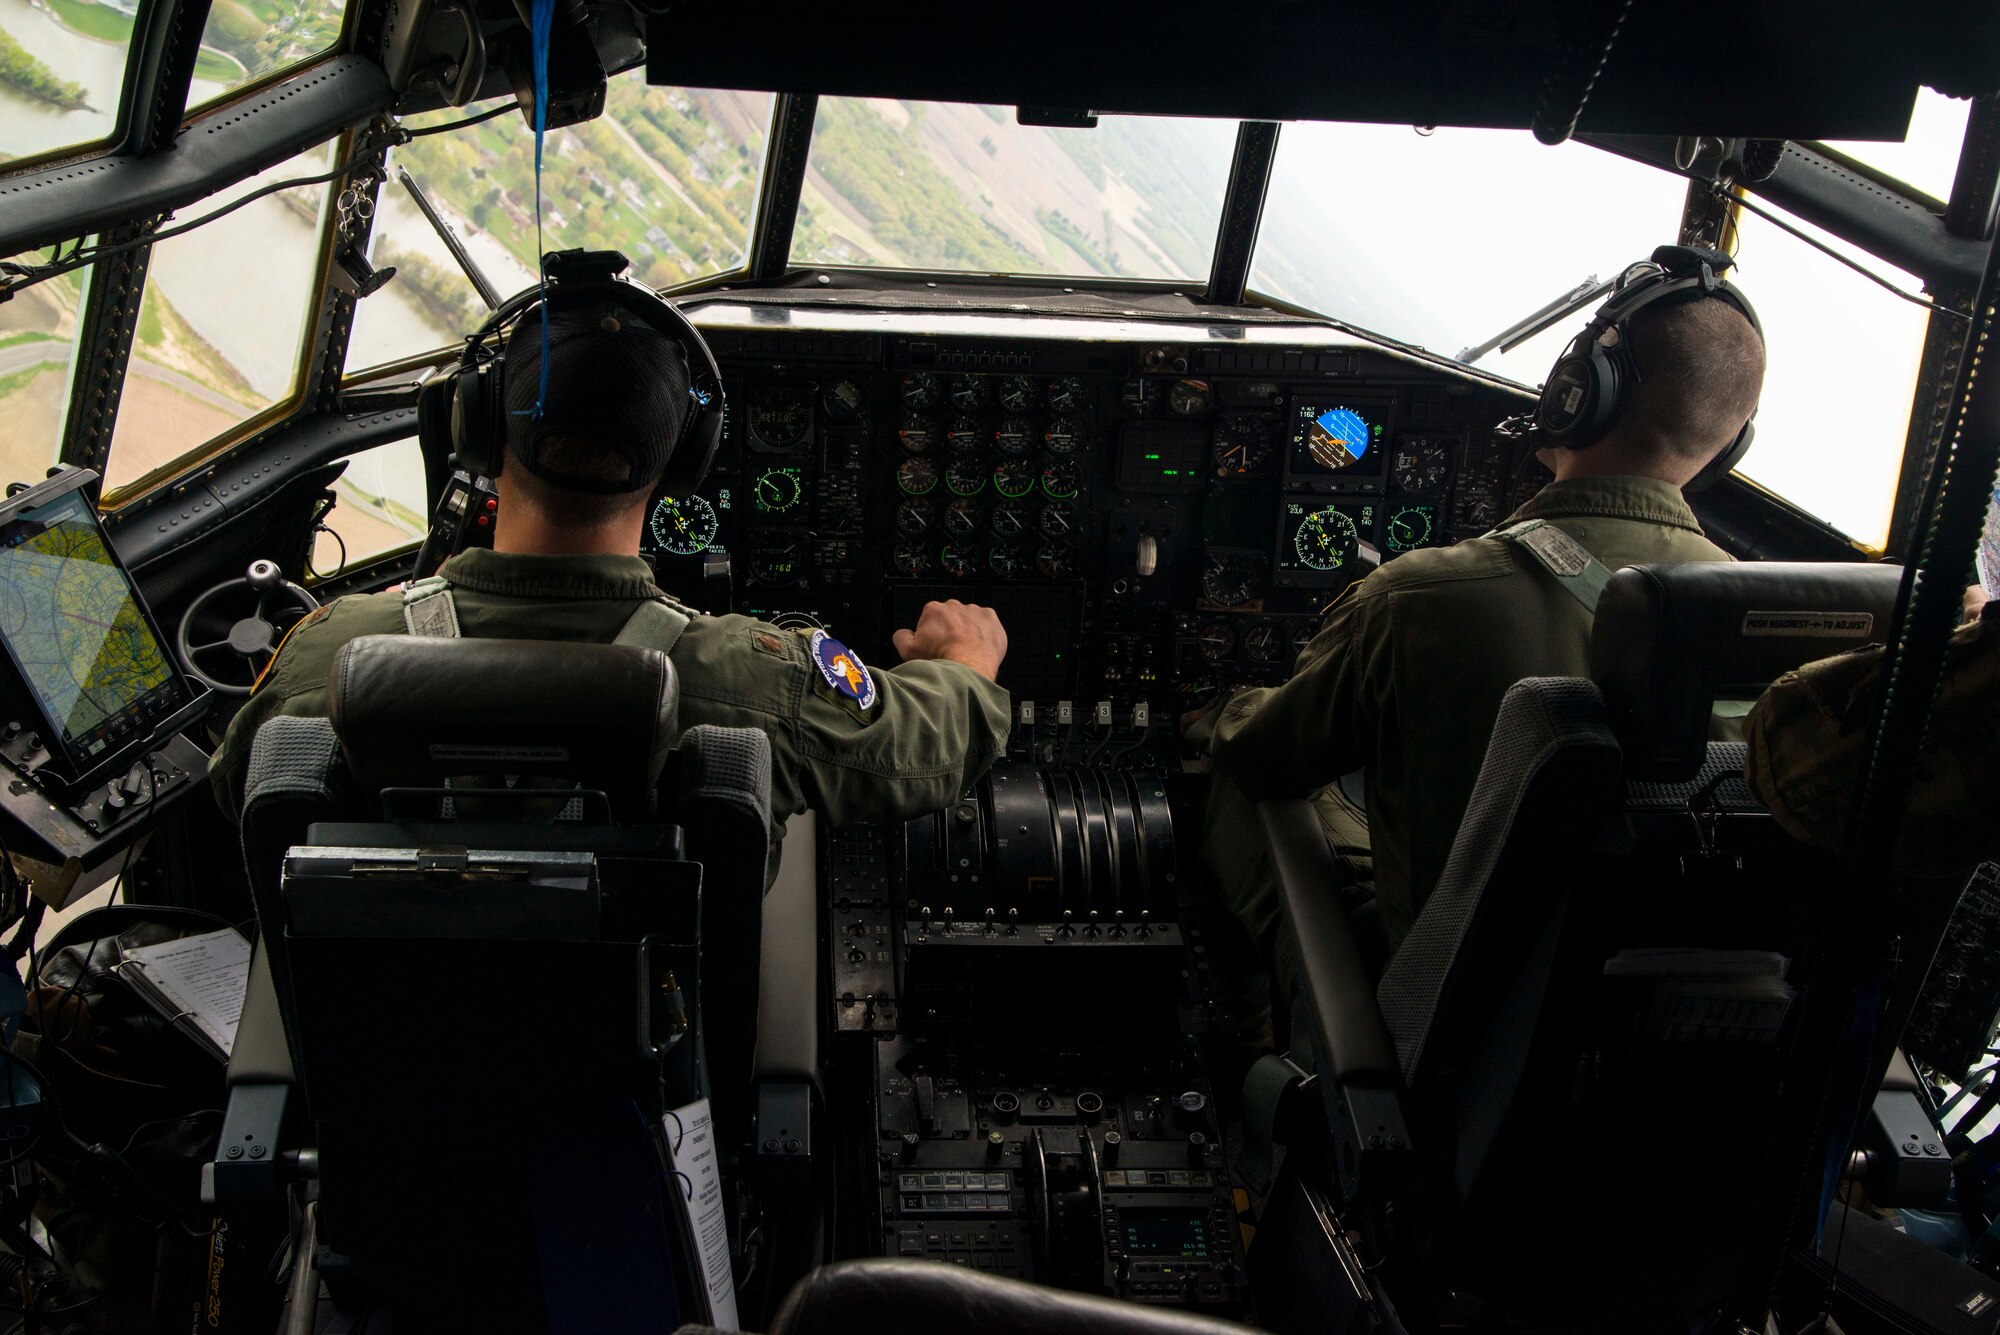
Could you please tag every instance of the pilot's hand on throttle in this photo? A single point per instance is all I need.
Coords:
(961, 632)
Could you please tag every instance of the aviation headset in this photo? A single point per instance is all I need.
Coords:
(1594, 376)
(479, 390)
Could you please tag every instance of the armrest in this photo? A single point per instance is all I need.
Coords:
(249, 1170)
(1354, 1042)
(1359, 1077)
(260, 1055)
(788, 1009)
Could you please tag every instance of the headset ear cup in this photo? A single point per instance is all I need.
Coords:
(478, 421)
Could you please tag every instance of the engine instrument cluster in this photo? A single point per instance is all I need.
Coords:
(1154, 512)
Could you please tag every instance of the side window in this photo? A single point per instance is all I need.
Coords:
(38, 335)
(222, 324)
(382, 504)
(62, 73)
(1841, 361)
(244, 40)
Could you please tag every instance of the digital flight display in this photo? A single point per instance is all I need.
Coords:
(1408, 525)
(1156, 1231)
(687, 526)
(1336, 439)
(1319, 542)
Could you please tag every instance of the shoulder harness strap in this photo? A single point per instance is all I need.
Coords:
(428, 608)
(657, 623)
(1581, 575)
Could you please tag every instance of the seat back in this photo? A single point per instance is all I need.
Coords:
(1611, 951)
(484, 936)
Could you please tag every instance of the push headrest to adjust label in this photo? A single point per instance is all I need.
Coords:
(1826, 625)
(544, 755)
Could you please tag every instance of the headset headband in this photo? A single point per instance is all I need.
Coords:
(479, 434)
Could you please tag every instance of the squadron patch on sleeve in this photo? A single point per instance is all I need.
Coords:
(843, 669)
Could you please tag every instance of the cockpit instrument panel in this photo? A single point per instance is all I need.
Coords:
(1155, 512)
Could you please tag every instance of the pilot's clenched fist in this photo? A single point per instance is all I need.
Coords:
(960, 632)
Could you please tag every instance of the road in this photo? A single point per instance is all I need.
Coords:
(57, 352)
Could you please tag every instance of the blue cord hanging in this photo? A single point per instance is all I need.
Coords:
(542, 13)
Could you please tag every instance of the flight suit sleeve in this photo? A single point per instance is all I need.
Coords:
(934, 730)
(1292, 740)
(1808, 751)
(927, 731)
(294, 684)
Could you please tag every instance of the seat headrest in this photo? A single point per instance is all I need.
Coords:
(1671, 640)
(412, 711)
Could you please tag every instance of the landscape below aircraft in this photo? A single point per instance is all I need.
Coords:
(1154, 330)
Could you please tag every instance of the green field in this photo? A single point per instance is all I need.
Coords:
(94, 20)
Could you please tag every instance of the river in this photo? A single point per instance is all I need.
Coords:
(31, 126)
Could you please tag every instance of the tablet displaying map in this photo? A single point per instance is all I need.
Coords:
(75, 629)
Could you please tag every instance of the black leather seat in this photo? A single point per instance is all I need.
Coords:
(891, 1297)
(1581, 1033)
(486, 1039)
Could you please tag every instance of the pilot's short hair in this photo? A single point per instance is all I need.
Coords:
(1700, 371)
(616, 398)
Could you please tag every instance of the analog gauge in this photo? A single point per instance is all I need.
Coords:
(775, 567)
(1482, 513)
(1014, 436)
(1063, 436)
(842, 400)
(972, 393)
(961, 519)
(919, 435)
(918, 477)
(1053, 560)
(684, 527)
(1423, 465)
(840, 518)
(913, 518)
(780, 418)
(1302, 637)
(1009, 521)
(1014, 478)
(777, 491)
(1068, 394)
(1408, 528)
(1241, 445)
(1189, 398)
(1217, 641)
(965, 477)
(960, 560)
(968, 435)
(1325, 539)
(1057, 520)
(1059, 480)
(913, 558)
(922, 392)
(1018, 394)
(1264, 641)
(1141, 397)
(1229, 581)
(1005, 562)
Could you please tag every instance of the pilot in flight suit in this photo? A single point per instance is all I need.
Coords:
(848, 740)
(1808, 749)
(1406, 675)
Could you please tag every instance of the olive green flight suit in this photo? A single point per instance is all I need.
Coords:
(1808, 738)
(934, 728)
(1405, 679)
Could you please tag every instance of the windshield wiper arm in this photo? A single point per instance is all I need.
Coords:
(473, 273)
(1514, 335)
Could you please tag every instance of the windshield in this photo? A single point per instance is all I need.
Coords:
(1446, 239)
(939, 185)
(1927, 158)
(669, 176)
